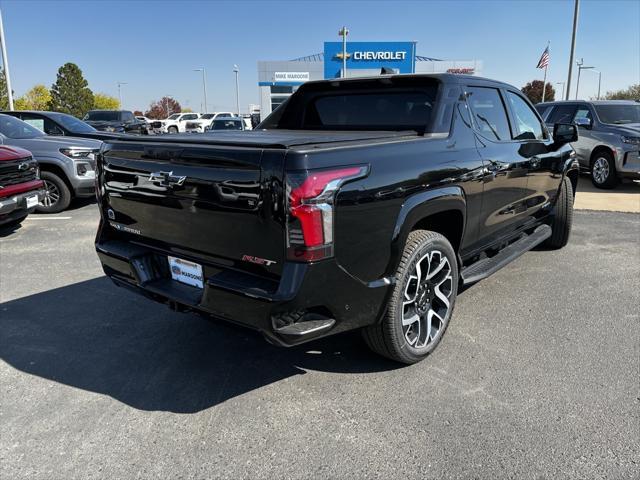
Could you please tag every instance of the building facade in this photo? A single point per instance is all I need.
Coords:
(279, 79)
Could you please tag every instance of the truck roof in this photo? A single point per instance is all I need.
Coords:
(592, 102)
(443, 77)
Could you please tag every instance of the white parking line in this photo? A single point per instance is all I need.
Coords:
(47, 218)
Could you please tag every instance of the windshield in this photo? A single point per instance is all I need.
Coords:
(13, 128)
(174, 116)
(72, 124)
(618, 114)
(207, 116)
(103, 116)
(226, 125)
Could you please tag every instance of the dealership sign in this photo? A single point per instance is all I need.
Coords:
(464, 71)
(379, 55)
(399, 56)
(291, 76)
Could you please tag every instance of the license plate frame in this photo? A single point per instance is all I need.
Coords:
(186, 272)
(31, 201)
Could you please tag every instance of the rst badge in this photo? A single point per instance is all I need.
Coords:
(257, 260)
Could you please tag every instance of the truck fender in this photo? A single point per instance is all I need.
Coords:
(419, 206)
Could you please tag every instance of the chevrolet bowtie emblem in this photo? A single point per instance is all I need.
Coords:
(339, 55)
(166, 179)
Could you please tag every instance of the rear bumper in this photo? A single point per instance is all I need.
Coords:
(318, 291)
(15, 206)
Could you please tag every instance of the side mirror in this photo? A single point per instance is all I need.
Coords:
(564, 133)
(583, 122)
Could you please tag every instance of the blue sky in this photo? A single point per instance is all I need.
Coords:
(154, 46)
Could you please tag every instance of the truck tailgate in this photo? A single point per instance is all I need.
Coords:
(206, 203)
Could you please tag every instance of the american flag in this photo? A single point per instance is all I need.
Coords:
(544, 59)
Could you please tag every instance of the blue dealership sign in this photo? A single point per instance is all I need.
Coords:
(399, 56)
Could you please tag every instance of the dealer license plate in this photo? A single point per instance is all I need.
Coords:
(186, 272)
(32, 201)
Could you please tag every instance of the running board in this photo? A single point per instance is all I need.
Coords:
(488, 266)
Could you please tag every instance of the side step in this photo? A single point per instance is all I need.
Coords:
(488, 266)
(307, 327)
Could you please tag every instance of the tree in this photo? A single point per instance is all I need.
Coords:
(102, 101)
(187, 110)
(70, 94)
(4, 99)
(138, 113)
(38, 98)
(630, 93)
(163, 108)
(533, 91)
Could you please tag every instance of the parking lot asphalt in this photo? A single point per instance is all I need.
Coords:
(537, 377)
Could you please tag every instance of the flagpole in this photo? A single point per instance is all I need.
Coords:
(544, 82)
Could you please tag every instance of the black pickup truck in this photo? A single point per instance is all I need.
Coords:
(358, 204)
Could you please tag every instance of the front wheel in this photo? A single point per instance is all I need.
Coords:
(172, 130)
(57, 195)
(603, 171)
(422, 300)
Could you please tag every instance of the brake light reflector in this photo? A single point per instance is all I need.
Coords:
(311, 196)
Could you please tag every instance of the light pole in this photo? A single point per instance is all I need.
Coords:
(343, 33)
(119, 92)
(204, 85)
(236, 70)
(599, 81)
(561, 83)
(580, 68)
(576, 10)
(5, 62)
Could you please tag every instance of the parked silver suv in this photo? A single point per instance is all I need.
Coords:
(609, 142)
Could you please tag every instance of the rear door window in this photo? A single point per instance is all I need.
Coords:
(489, 114)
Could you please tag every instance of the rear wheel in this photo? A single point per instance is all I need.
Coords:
(422, 300)
(603, 171)
(57, 195)
(563, 218)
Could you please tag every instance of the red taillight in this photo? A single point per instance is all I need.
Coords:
(310, 221)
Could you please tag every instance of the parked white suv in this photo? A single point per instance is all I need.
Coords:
(174, 124)
(200, 125)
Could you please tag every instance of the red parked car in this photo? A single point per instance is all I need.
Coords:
(20, 186)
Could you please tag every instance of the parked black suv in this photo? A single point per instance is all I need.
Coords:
(60, 124)
(361, 203)
(117, 121)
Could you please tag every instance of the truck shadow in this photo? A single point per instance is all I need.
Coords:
(97, 337)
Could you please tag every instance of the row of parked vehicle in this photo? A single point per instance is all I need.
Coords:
(48, 158)
(198, 123)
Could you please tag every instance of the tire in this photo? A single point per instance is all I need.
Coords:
(396, 336)
(603, 171)
(563, 218)
(57, 195)
(172, 129)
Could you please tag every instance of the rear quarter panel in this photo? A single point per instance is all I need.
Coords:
(369, 212)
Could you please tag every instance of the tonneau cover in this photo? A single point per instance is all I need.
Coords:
(267, 138)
